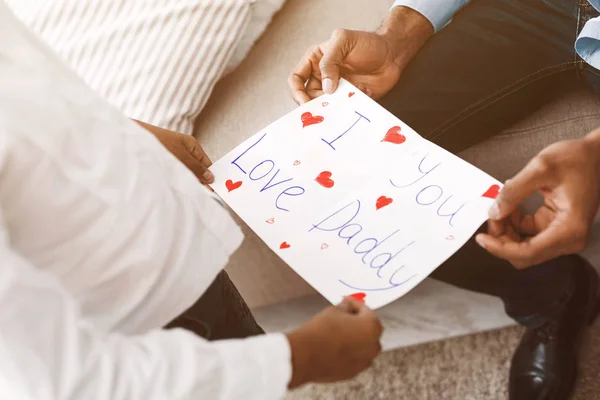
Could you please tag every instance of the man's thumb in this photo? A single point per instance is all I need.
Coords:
(333, 56)
(518, 189)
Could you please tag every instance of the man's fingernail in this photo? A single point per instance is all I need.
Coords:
(494, 211)
(208, 176)
(327, 85)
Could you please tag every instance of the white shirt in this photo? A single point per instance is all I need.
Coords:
(104, 238)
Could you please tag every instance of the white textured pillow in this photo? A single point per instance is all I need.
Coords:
(156, 60)
(262, 14)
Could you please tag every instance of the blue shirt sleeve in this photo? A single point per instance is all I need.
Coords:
(439, 12)
(588, 43)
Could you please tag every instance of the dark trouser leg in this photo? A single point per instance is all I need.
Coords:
(221, 313)
(498, 61)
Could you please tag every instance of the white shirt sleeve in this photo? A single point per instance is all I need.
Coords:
(47, 351)
(439, 12)
(104, 237)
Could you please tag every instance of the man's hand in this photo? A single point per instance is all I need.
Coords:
(337, 344)
(568, 176)
(372, 62)
(186, 148)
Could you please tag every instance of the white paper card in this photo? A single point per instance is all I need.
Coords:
(353, 199)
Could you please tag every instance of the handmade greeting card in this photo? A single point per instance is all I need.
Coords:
(353, 199)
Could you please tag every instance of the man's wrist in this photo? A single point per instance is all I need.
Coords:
(406, 30)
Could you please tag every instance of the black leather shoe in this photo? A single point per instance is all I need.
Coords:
(544, 366)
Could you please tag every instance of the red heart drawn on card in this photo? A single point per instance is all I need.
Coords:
(231, 186)
(270, 221)
(394, 136)
(308, 119)
(350, 94)
(359, 296)
(492, 192)
(324, 246)
(284, 246)
(324, 104)
(383, 202)
(297, 162)
(450, 237)
(324, 179)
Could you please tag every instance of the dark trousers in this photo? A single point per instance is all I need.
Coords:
(221, 313)
(497, 62)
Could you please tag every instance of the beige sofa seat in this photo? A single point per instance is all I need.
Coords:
(256, 94)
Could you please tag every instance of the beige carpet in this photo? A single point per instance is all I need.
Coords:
(466, 368)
